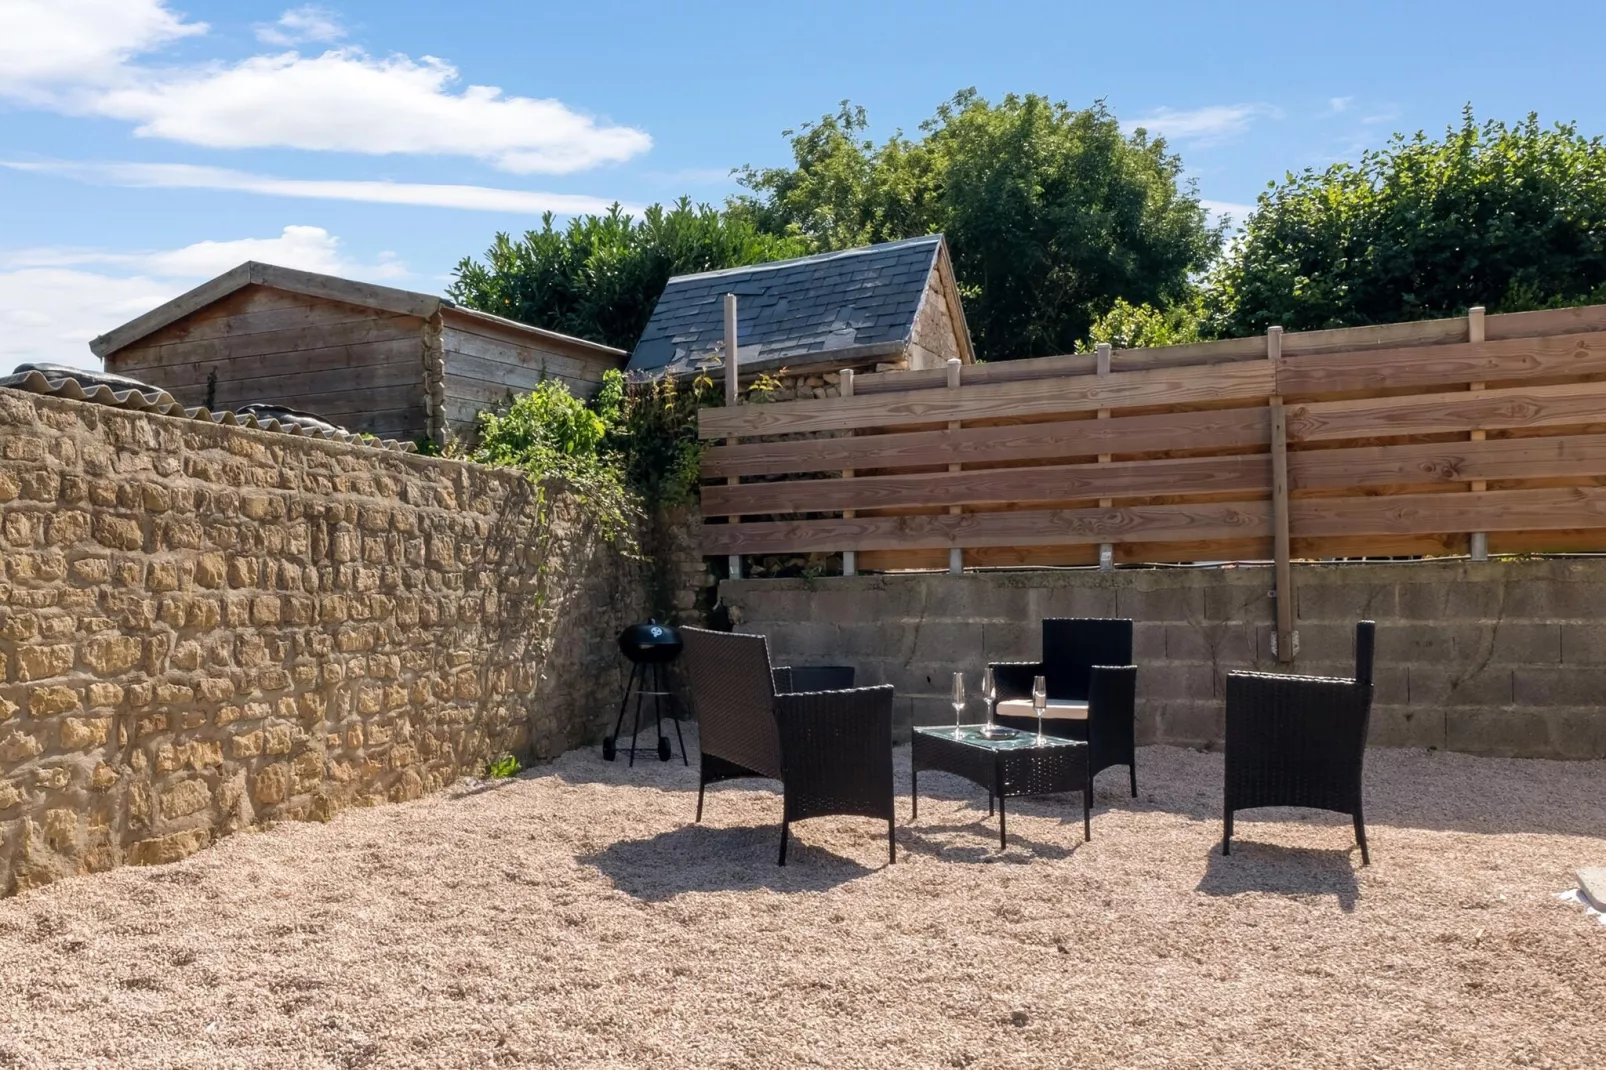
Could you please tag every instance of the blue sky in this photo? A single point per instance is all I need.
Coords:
(146, 145)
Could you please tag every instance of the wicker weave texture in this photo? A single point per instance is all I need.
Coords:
(733, 695)
(836, 752)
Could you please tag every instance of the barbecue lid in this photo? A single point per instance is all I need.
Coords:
(650, 641)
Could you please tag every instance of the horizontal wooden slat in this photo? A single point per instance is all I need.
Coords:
(1246, 428)
(1145, 523)
(1122, 479)
(1487, 410)
(1448, 462)
(1179, 386)
(1545, 322)
(1414, 514)
(1467, 362)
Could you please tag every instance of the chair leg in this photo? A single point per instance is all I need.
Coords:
(1133, 767)
(1360, 837)
(1226, 834)
(701, 785)
(782, 862)
(892, 843)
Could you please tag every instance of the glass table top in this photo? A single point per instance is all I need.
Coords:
(1008, 738)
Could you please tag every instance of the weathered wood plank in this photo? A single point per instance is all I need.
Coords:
(1245, 428)
(1219, 384)
(1488, 410)
(1119, 479)
(267, 345)
(1415, 464)
(1419, 514)
(1545, 322)
(1467, 362)
(1059, 527)
(480, 356)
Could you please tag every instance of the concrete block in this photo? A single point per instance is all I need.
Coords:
(1583, 644)
(1247, 599)
(1341, 596)
(1437, 687)
(1161, 604)
(1191, 724)
(1012, 640)
(1092, 600)
(1437, 596)
(1554, 600)
(955, 643)
(1527, 733)
(1148, 643)
(1538, 687)
(1410, 643)
(801, 641)
(1405, 726)
(977, 597)
(1178, 682)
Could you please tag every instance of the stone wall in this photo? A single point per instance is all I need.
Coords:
(1499, 658)
(206, 627)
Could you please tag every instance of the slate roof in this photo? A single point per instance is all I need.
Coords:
(793, 310)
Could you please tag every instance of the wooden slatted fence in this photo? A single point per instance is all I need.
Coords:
(1399, 440)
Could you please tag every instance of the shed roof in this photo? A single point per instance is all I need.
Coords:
(330, 287)
(855, 303)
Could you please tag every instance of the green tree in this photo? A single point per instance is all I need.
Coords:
(1129, 326)
(1511, 218)
(599, 277)
(1051, 213)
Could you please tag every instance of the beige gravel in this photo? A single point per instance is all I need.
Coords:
(574, 917)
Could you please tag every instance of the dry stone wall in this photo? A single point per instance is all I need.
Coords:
(1499, 658)
(204, 628)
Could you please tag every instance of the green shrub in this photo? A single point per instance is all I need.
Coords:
(505, 766)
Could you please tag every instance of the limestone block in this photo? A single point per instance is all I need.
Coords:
(186, 797)
(247, 745)
(43, 662)
(104, 695)
(272, 784)
(81, 734)
(48, 701)
(118, 533)
(111, 654)
(161, 850)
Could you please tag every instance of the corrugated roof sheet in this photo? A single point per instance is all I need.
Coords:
(162, 403)
(793, 309)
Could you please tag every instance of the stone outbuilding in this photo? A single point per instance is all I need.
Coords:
(371, 359)
(884, 307)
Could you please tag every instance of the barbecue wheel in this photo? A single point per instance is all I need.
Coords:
(664, 753)
(610, 748)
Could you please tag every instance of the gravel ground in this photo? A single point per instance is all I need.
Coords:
(574, 917)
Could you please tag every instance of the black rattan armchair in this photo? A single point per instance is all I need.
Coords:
(831, 750)
(1092, 690)
(1299, 741)
(813, 678)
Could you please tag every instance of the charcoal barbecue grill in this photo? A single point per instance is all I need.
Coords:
(650, 648)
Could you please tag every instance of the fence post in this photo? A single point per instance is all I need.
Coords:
(1101, 367)
(1285, 640)
(956, 555)
(732, 396)
(1478, 542)
(850, 558)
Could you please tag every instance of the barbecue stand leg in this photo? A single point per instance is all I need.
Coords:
(674, 715)
(610, 744)
(664, 753)
(914, 791)
(635, 731)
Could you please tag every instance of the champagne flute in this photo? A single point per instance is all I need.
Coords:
(958, 700)
(989, 694)
(1039, 701)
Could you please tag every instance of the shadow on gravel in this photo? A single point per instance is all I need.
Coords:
(1290, 871)
(707, 858)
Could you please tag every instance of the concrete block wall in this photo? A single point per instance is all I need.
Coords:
(205, 627)
(1497, 658)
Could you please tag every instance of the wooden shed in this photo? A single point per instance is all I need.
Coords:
(369, 358)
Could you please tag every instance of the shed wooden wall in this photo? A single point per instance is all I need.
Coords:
(934, 339)
(358, 367)
(485, 362)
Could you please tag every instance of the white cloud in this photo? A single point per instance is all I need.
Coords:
(348, 101)
(1210, 125)
(83, 42)
(306, 23)
(52, 304)
(1338, 105)
(1234, 215)
(78, 57)
(428, 195)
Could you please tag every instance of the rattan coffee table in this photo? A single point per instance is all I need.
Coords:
(1020, 763)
